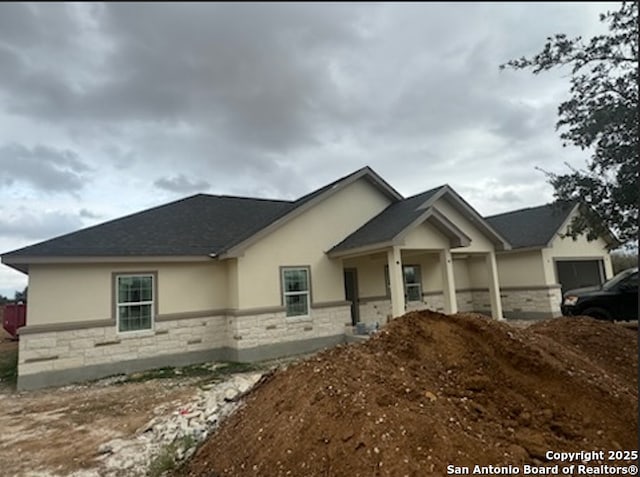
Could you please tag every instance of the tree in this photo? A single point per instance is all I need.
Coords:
(602, 116)
(21, 295)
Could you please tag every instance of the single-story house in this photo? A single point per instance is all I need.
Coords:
(234, 278)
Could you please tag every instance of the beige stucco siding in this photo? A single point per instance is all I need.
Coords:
(425, 236)
(479, 241)
(303, 241)
(430, 270)
(521, 269)
(61, 294)
(461, 273)
(370, 271)
(579, 249)
(76, 293)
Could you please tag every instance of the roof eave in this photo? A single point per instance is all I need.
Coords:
(361, 250)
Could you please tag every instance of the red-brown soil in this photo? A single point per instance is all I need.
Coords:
(431, 390)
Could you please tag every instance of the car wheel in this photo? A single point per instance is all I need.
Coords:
(598, 314)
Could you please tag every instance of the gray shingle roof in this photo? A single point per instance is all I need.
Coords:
(197, 225)
(388, 223)
(531, 227)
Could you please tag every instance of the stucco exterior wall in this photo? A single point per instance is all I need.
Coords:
(304, 241)
(78, 292)
(370, 269)
(479, 242)
(579, 249)
(425, 236)
(521, 268)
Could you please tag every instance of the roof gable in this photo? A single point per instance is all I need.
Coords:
(398, 219)
(310, 200)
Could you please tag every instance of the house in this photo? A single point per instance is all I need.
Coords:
(543, 262)
(241, 279)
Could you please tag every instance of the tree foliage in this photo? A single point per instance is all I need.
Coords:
(601, 116)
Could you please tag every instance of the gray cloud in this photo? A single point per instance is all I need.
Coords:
(42, 167)
(37, 225)
(181, 184)
(273, 100)
(87, 214)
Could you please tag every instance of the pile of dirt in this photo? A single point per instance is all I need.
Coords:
(431, 390)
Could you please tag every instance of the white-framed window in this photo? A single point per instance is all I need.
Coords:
(296, 295)
(135, 302)
(411, 280)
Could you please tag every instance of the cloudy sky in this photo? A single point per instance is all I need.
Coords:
(109, 109)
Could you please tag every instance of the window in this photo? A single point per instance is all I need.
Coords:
(295, 290)
(412, 288)
(134, 302)
(412, 282)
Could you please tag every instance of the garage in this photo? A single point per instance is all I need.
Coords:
(579, 273)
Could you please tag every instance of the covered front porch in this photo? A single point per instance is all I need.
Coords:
(430, 251)
(388, 283)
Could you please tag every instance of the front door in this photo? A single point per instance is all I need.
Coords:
(351, 292)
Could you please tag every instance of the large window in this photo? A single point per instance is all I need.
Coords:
(134, 302)
(295, 290)
(411, 281)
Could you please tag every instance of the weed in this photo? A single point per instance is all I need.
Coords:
(9, 367)
(170, 456)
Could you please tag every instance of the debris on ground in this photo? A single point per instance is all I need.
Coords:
(431, 390)
(179, 432)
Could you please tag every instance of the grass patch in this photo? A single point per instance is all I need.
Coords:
(207, 372)
(171, 456)
(9, 367)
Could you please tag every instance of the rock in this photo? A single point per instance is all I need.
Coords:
(231, 393)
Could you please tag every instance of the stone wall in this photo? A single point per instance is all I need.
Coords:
(531, 302)
(249, 331)
(464, 299)
(375, 310)
(66, 355)
(88, 346)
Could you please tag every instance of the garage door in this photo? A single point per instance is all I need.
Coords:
(579, 273)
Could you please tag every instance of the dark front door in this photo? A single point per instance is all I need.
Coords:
(351, 292)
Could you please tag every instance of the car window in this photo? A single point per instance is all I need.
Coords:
(631, 282)
(619, 278)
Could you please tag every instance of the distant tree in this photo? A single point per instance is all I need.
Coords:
(602, 116)
(4, 300)
(621, 260)
(21, 295)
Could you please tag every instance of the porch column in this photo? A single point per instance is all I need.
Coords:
(448, 283)
(396, 281)
(494, 286)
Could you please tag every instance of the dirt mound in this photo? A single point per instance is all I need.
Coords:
(614, 348)
(430, 390)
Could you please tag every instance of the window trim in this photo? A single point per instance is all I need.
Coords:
(284, 294)
(115, 303)
(387, 282)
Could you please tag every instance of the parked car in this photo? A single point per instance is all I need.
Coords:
(616, 299)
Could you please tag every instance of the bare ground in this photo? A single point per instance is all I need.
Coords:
(58, 431)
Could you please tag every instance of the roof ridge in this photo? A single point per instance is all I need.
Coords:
(433, 189)
(549, 204)
(231, 196)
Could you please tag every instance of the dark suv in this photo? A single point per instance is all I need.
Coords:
(617, 299)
